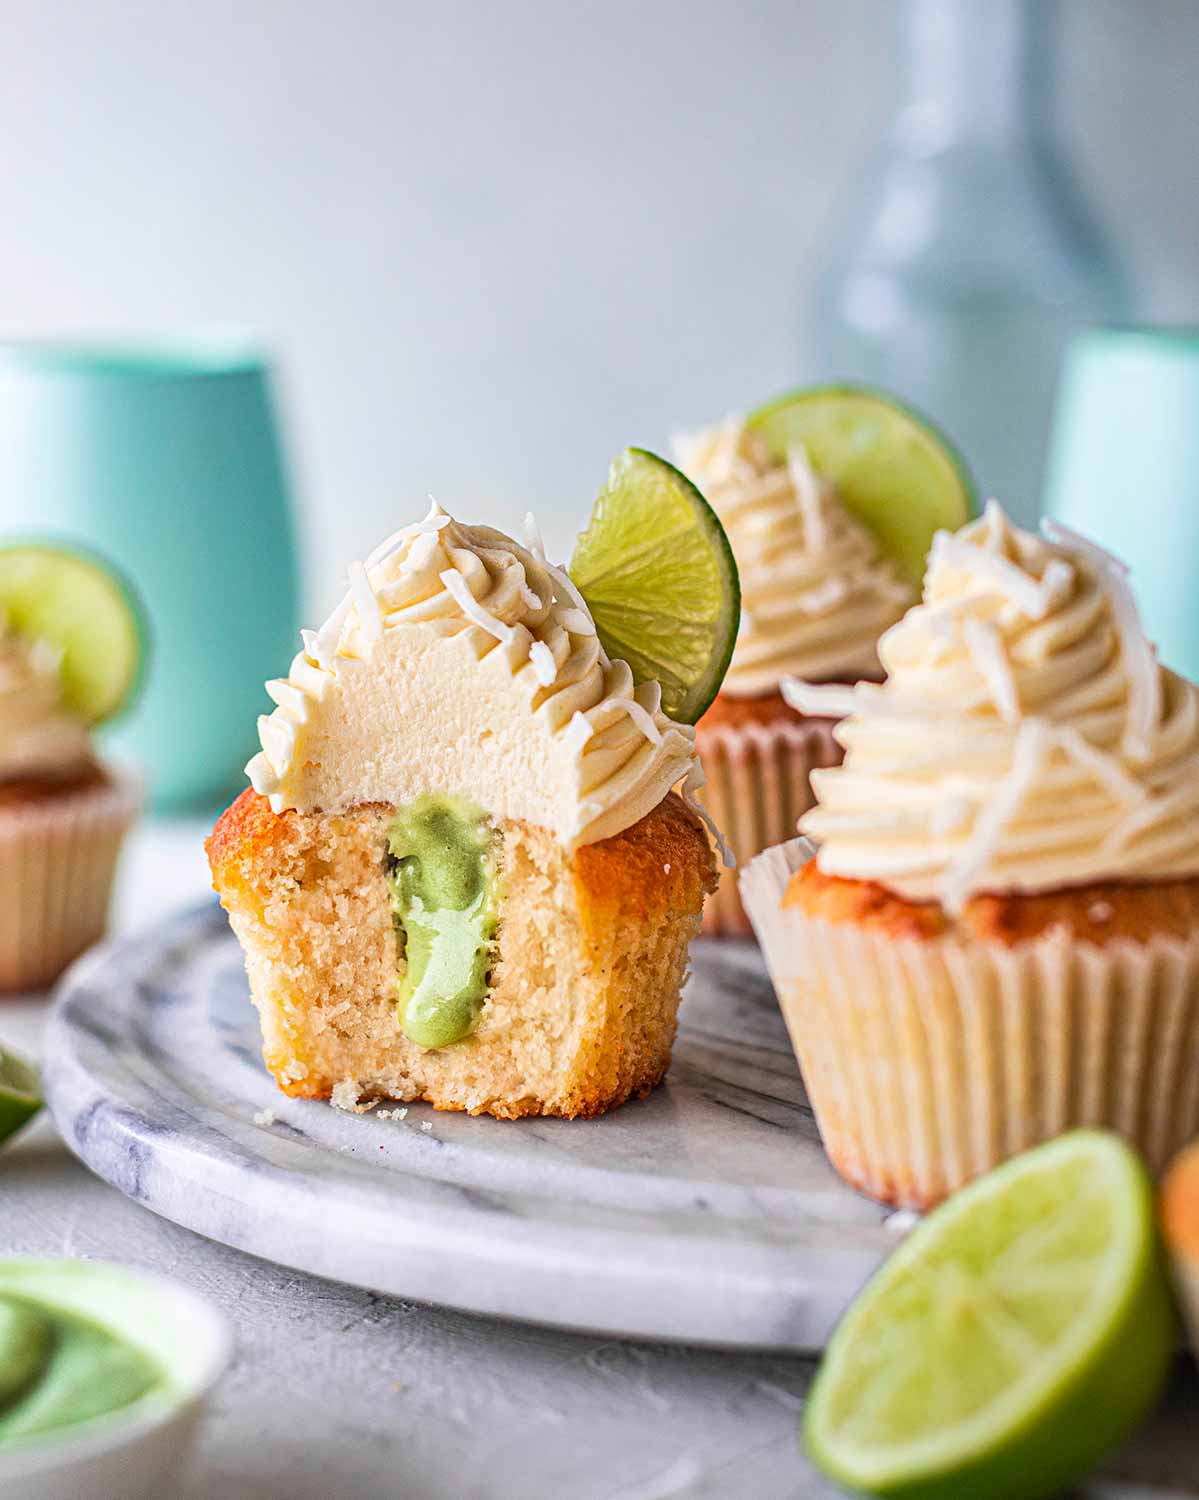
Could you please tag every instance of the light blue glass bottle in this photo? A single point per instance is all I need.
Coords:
(968, 254)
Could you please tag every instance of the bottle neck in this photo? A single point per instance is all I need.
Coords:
(976, 71)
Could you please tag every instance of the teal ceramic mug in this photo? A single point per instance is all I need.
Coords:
(167, 460)
(1124, 469)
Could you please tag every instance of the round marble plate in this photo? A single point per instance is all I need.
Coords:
(706, 1213)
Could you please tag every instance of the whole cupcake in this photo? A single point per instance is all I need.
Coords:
(70, 648)
(998, 937)
(817, 591)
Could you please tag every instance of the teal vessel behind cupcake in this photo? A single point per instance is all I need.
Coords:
(1124, 469)
(166, 459)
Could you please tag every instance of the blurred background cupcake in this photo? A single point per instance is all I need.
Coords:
(998, 938)
(809, 490)
(71, 650)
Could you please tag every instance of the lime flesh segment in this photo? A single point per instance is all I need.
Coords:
(892, 468)
(80, 606)
(1019, 1333)
(20, 1093)
(658, 576)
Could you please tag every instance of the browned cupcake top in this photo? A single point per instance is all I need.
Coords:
(735, 713)
(28, 790)
(1093, 913)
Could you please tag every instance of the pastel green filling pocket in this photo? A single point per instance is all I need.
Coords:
(442, 869)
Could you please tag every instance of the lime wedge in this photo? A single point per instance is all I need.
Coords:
(658, 575)
(892, 468)
(1017, 1335)
(20, 1093)
(81, 606)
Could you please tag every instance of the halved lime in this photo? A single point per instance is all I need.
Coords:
(658, 575)
(892, 468)
(1018, 1334)
(20, 1093)
(80, 605)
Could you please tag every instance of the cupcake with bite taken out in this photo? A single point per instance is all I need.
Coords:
(467, 870)
(998, 935)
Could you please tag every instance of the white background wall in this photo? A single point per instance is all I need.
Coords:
(493, 241)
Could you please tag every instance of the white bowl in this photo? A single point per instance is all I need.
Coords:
(124, 1455)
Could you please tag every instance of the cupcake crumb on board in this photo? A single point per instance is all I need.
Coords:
(265, 1117)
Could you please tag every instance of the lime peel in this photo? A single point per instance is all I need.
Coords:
(892, 468)
(657, 573)
(20, 1092)
(1020, 1332)
(79, 604)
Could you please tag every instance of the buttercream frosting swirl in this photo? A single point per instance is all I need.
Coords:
(460, 661)
(1025, 738)
(816, 589)
(38, 737)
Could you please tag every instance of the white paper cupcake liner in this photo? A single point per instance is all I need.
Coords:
(929, 1062)
(57, 860)
(758, 788)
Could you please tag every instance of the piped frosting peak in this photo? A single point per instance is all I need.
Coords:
(816, 590)
(1026, 737)
(460, 661)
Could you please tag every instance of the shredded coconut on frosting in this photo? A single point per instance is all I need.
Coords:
(816, 590)
(462, 662)
(1026, 737)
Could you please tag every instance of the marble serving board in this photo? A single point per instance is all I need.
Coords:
(706, 1213)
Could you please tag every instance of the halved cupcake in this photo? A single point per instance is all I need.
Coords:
(462, 874)
(829, 498)
(999, 935)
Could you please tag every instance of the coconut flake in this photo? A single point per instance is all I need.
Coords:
(576, 622)
(824, 597)
(543, 663)
(1143, 717)
(1031, 740)
(578, 731)
(990, 568)
(826, 700)
(1106, 768)
(806, 484)
(456, 586)
(327, 637)
(695, 781)
(533, 538)
(1074, 541)
(370, 616)
(640, 717)
(987, 653)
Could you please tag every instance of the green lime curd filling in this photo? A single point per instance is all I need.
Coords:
(443, 874)
(58, 1369)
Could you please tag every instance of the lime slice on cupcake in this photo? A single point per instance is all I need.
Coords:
(1019, 1333)
(20, 1093)
(81, 606)
(658, 576)
(892, 468)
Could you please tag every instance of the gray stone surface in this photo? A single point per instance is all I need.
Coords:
(339, 1392)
